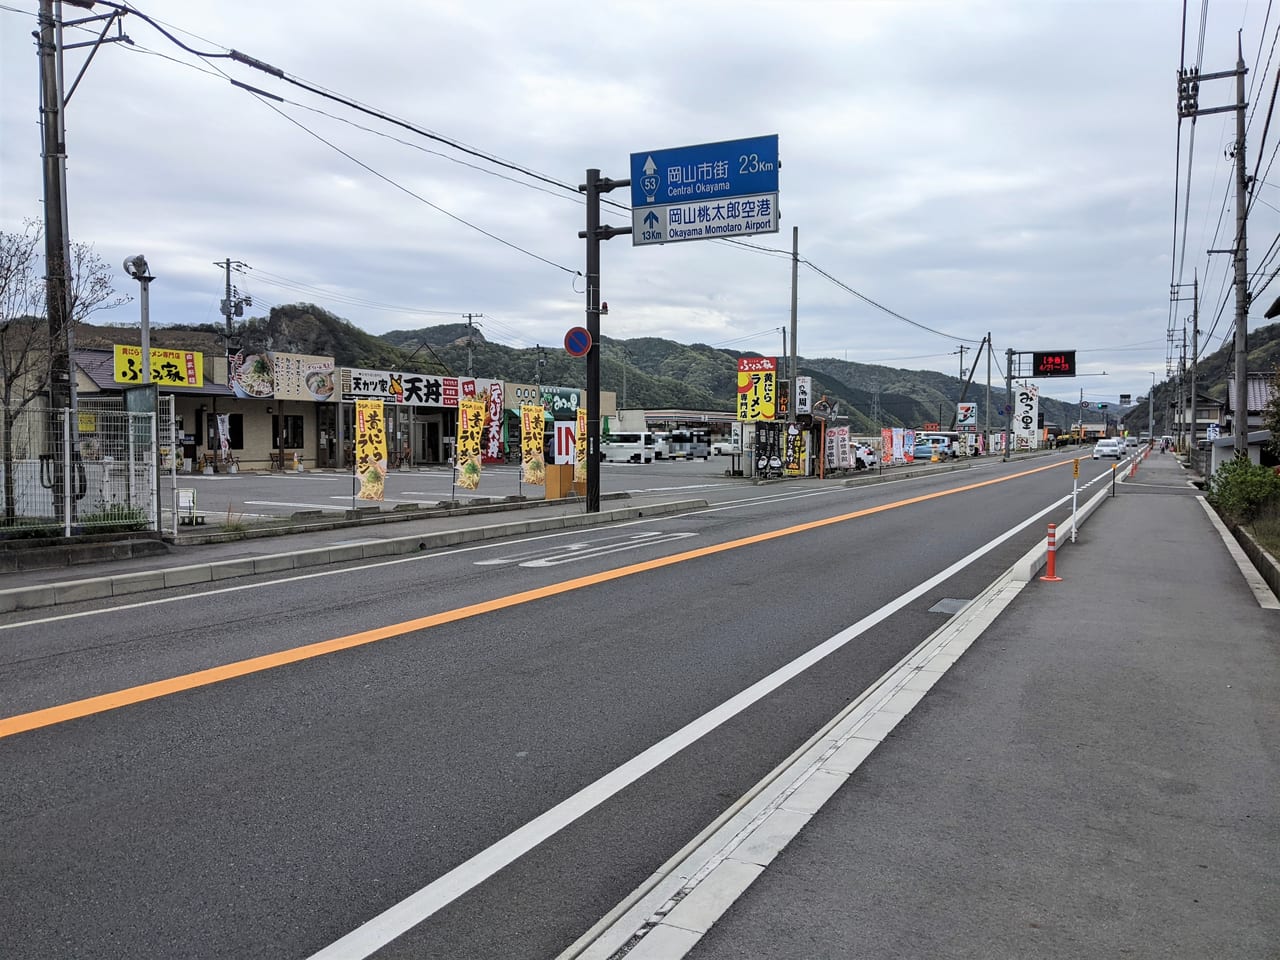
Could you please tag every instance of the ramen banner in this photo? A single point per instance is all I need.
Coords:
(169, 368)
(471, 418)
(371, 449)
(533, 463)
(580, 449)
(757, 388)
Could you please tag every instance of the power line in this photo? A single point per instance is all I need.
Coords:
(403, 189)
(865, 299)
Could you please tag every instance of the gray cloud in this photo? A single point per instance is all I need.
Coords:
(1003, 166)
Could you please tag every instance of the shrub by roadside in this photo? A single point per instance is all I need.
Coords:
(1242, 491)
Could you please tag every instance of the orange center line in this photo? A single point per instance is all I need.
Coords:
(102, 703)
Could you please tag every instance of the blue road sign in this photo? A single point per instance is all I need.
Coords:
(705, 171)
(705, 191)
(577, 342)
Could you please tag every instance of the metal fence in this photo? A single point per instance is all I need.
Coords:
(98, 473)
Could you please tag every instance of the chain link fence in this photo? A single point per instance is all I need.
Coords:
(100, 472)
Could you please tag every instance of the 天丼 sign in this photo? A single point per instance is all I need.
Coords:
(705, 191)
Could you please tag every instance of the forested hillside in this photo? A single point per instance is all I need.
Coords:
(651, 372)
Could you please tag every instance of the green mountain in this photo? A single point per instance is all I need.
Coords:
(1212, 371)
(651, 372)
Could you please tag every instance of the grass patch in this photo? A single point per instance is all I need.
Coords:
(1266, 528)
(234, 520)
(30, 528)
(112, 519)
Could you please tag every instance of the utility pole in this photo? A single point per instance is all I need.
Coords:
(1195, 350)
(964, 386)
(469, 317)
(233, 303)
(1008, 393)
(1175, 296)
(1242, 274)
(57, 245)
(1182, 385)
(795, 302)
(57, 241)
(1189, 106)
(987, 439)
(1151, 410)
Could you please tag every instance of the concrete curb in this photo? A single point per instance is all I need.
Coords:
(1268, 566)
(118, 585)
(1026, 567)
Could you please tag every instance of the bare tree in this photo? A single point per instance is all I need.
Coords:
(25, 347)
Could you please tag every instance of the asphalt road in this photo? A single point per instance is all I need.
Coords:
(245, 496)
(504, 738)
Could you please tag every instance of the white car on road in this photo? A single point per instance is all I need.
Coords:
(1107, 447)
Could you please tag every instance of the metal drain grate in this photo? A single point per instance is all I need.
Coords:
(949, 606)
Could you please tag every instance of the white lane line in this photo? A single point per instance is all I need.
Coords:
(555, 552)
(298, 506)
(411, 558)
(600, 550)
(688, 892)
(381, 930)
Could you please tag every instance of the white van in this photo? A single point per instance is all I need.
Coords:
(628, 447)
(949, 442)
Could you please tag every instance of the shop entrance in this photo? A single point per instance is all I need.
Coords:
(326, 435)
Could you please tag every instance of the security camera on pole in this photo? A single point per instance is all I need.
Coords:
(136, 267)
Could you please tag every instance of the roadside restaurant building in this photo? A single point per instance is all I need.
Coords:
(274, 409)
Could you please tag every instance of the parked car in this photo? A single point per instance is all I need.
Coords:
(864, 456)
(725, 448)
(950, 442)
(923, 452)
(1107, 447)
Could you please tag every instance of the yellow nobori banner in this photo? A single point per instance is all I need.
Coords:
(471, 420)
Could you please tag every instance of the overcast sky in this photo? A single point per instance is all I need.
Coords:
(1004, 166)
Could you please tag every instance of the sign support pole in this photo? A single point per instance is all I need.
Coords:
(1075, 490)
(1008, 394)
(594, 233)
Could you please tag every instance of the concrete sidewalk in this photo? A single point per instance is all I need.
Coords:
(1097, 776)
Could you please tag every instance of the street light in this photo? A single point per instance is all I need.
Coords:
(136, 267)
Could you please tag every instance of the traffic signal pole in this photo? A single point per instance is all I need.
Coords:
(594, 233)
